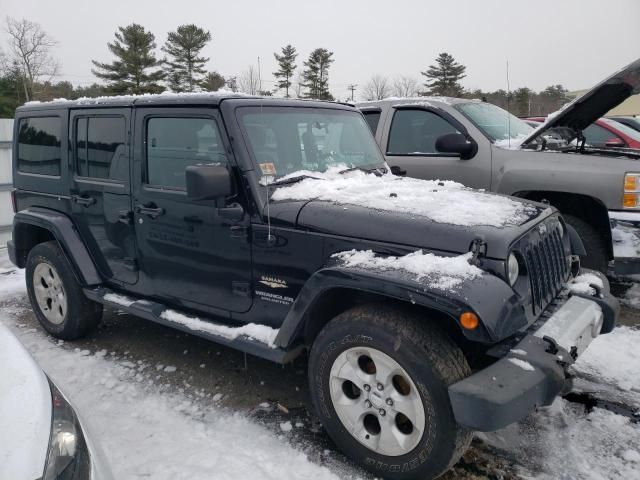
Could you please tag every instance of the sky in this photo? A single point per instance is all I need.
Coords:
(575, 43)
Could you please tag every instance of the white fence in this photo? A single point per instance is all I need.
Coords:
(6, 182)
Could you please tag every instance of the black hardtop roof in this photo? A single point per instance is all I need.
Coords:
(175, 99)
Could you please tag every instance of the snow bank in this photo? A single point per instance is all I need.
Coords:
(260, 333)
(442, 201)
(12, 281)
(443, 273)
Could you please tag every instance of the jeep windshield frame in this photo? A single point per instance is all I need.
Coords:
(287, 140)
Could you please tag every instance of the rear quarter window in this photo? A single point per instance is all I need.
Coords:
(39, 145)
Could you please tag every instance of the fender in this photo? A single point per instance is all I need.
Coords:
(63, 230)
(500, 311)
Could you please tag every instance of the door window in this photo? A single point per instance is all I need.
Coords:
(416, 132)
(39, 145)
(174, 143)
(101, 148)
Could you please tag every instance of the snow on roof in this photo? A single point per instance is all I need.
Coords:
(442, 201)
(443, 273)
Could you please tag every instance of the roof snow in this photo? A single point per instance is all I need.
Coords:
(442, 201)
(443, 273)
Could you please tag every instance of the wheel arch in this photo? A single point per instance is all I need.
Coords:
(590, 209)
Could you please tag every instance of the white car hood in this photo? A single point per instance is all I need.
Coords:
(25, 411)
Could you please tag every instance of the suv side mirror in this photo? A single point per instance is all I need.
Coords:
(615, 142)
(457, 143)
(208, 182)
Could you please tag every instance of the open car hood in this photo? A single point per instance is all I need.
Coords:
(586, 109)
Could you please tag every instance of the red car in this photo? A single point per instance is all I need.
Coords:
(606, 133)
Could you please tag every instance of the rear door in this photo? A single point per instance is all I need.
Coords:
(410, 143)
(101, 189)
(194, 253)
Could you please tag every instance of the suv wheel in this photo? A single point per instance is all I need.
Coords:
(596, 258)
(378, 380)
(56, 297)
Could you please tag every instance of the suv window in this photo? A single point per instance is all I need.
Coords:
(175, 143)
(373, 118)
(39, 145)
(100, 148)
(416, 131)
(597, 136)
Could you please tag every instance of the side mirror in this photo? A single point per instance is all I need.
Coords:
(615, 142)
(208, 182)
(457, 143)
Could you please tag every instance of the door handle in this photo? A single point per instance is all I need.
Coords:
(83, 200)
(150, 210)
(125, 216)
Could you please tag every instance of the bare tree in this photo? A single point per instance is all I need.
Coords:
(404, 86)
(249, 81)
(376, 88)
(30, 48)
(298, 85)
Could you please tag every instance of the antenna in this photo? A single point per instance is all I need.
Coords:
(508, 112)
(352, 87)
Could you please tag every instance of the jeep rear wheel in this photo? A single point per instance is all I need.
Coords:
(55, 295)
(378, 380)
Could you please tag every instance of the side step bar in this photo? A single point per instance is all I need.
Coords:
(200, 326)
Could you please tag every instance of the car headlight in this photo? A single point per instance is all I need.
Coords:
(68, 456)
(513, 269)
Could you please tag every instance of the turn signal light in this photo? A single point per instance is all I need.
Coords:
(630, 200)
(631, 182)
(469, 320)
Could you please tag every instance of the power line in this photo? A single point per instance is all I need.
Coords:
(352, 87)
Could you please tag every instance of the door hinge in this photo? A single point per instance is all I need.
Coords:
(238, 231)
(241, 288)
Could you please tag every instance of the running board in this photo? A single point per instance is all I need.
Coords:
(233, 336)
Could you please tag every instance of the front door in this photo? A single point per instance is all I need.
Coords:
(193, 253)
(101, 189)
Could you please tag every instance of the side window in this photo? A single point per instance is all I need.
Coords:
(101, 148)
(372, 118)
(175, 143)
(597, 136)
(39, 145)
(416, 131)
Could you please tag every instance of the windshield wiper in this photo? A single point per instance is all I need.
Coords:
(364, 169)
(289, 181)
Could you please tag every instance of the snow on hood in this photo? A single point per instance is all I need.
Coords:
(443, 273)
(442, 201)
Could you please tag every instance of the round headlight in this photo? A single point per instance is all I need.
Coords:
(513, 270)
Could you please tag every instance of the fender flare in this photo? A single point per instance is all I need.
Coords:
(64, 231)
(501, 312)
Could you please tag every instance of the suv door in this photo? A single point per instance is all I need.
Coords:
(192, 252)
(101, 189)
(410, 144)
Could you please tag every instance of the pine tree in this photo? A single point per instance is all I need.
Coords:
(212, 82)
(185, 67)
(316, 74)
(130, 72)
(444, 77)
(287, 65)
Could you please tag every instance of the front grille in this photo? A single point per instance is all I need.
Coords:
(548, 268)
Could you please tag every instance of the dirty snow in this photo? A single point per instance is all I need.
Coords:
(582, 284)
(625, 242)
(442, 201)
(119, 299)
(443, 273)
(522, 364)
(260, 333)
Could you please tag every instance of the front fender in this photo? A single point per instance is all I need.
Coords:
(500, 310)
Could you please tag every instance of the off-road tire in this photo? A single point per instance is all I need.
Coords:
(82, 315)
(597, 257)
(432, 361)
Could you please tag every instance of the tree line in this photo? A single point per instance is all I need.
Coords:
(28, 68)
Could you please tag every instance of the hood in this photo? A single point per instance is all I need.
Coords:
(433, 215)
(602, 98)
(25, 411)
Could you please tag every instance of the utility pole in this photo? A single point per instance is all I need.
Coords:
(352, 87)
(259, 77)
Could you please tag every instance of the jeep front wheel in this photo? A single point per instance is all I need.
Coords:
(55, 295)
(378, 380)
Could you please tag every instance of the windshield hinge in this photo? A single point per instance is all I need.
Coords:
(478, 249)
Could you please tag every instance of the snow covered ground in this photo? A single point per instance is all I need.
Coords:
(183, 432)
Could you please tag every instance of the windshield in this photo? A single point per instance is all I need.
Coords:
(497, 124)
(284, 140)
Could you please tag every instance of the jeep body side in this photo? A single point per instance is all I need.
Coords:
(178, 209)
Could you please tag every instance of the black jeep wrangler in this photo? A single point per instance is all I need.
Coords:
(428, 310)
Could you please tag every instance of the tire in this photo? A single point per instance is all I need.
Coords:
(597, 257)
(56, 296)
(382, 334)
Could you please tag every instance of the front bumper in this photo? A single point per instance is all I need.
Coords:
(625, 234)
(533, 372)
